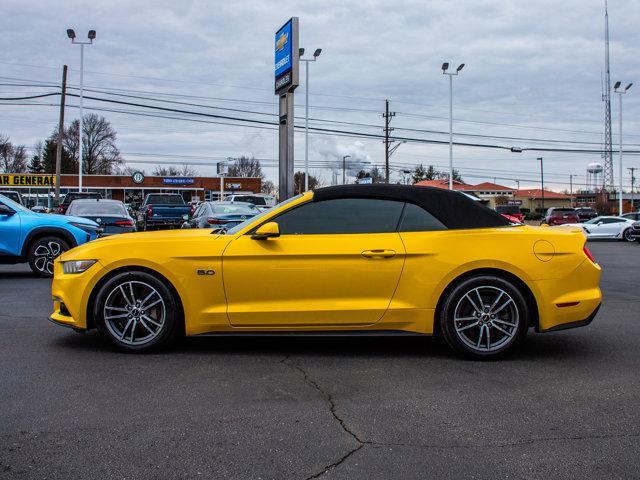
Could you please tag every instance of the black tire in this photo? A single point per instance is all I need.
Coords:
(43, 252)
(497, 330)
(136, 325)
(626, 235)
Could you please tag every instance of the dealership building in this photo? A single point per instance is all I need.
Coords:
(127, 188)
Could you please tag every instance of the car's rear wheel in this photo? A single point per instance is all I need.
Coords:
(137, 312)
(43, 252)
(484, 317)
(627, 235)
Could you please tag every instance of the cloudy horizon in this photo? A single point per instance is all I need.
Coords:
(532, 77)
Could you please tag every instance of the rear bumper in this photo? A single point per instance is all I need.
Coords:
(570, 300)
(576, 324)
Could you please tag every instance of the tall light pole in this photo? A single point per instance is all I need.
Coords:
(445, 67)
(344, 168)
(542, 181)
(616, 89)
(91, 36)
(306, 61)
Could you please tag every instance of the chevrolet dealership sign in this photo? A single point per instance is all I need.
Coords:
(26, 180)
(287, 57)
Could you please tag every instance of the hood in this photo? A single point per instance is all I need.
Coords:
(57, 219)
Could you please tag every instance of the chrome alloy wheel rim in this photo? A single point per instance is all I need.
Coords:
(45, 254)
(134, 312)
(486, 318)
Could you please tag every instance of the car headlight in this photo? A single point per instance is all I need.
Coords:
(76, 266)
(86, 227)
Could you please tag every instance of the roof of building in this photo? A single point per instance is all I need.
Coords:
(453, 209)
(444, 183)
(492, 186)
(465, 187)
(535, 193)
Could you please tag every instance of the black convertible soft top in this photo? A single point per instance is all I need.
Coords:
(454, 209)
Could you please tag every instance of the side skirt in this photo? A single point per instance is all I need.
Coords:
(330, 333)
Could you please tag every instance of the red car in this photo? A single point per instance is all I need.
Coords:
(560, 216)
(511, 212)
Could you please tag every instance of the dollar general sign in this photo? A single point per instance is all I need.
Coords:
(26, 180)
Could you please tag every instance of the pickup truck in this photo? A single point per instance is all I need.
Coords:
(163, 210)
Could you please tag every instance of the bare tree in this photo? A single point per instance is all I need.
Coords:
(13, 159)
(171, 171)
(99, 151)
(268, 187)
(298, 181)
(246, 167)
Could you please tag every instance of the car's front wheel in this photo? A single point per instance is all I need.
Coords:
(484, 317)
(137, 312)
(43, 252)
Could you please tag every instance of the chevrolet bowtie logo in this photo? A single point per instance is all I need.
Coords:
(282, 41)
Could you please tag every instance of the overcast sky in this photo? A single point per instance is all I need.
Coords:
(533, 71)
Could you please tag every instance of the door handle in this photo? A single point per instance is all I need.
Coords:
(379, 253)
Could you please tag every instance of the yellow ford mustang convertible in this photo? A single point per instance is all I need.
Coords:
(349, 260)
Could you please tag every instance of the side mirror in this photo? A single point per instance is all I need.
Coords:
(268, 230)
(5, 210)
(600, 222)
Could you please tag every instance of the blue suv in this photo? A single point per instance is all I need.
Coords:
(38, 238)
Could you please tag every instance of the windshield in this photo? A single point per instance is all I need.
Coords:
(562, 211)
(165, 200)
(250, 199)
(508, 209)
(15, 205)
(70, 197)
(242, 225)
(233, 209)
(96, 209)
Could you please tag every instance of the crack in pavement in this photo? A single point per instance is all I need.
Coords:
(332, 409)
(362, 442)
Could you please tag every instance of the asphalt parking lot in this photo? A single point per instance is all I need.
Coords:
(567, 405)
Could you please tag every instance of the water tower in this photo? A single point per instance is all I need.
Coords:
(594, 176)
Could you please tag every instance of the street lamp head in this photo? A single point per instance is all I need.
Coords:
(346, 156)
(70, 33)
(92, 35)
(616, 85)
(445, 66)
(301, 51)
(317, 52)
(628, 87)
(460, 67)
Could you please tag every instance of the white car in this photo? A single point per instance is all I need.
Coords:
(260, 200)
(605, 227)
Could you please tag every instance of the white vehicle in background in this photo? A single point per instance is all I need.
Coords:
(605, 227)
(260, 200)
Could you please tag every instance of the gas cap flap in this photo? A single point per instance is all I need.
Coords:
(543, 250)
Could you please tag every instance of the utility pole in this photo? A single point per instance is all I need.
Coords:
(60, 133)
(633, 180)
(571, 189)
(387, 120)
(542, 181)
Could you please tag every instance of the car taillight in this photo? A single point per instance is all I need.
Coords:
(215, 221)
(588, 253)
(124, 223)
(60, 209)
(192, 210)
(149, 211)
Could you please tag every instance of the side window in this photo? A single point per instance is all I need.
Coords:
(343, 215)
(417, 219)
